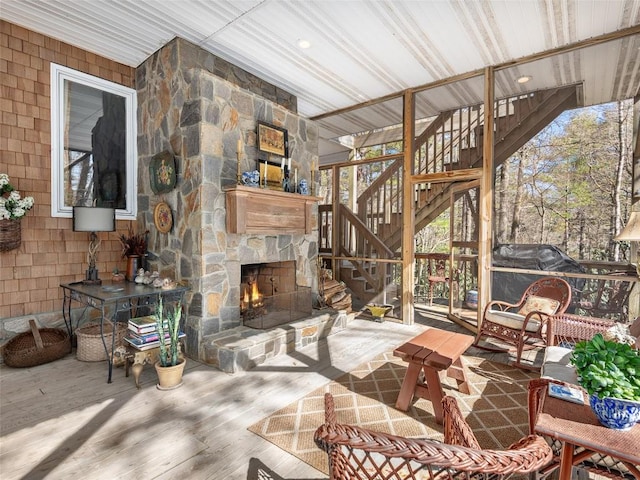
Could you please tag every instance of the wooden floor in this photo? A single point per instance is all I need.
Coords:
(63, 421)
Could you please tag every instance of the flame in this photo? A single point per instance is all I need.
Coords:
(252, 296)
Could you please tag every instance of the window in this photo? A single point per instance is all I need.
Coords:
(93, 144)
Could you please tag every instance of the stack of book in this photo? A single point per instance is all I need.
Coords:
(143, 334)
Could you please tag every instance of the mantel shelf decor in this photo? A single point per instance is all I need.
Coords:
(262, 211)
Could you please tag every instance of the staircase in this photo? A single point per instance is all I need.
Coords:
(453, 141)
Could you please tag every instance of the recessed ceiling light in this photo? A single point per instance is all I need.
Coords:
(523, 79)
(304, 43)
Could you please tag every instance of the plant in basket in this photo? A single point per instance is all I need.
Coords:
(610, 373)
(171, 363)
(12, 208)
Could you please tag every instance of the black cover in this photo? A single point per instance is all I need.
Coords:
(509, 287)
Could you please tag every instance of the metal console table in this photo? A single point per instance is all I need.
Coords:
(116, 302)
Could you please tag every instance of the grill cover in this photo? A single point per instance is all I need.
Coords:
(509, 287)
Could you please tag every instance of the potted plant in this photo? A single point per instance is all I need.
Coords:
(171, 363)
(610, 372)
(12, 208)
(134, 247)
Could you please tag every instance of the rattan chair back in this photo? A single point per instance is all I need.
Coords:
(358, 453)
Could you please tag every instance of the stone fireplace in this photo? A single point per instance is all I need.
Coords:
(197, 107)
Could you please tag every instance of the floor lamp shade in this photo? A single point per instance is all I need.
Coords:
(94, 219)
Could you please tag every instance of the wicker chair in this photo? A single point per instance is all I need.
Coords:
(357, 453)
(525, 322)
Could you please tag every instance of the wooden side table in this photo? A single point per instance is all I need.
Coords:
(577, 426)
(433, 351)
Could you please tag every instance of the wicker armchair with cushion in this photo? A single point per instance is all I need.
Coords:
(525, 322)
(358, 453)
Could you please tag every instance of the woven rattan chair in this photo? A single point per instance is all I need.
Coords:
(358, 453)
(524, 323)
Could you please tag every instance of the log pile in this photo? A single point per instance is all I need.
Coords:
(335, 295)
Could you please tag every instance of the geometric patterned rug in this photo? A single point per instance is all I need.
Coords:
(496, 408)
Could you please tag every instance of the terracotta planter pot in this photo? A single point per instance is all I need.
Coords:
(170, 377)
(133, 263)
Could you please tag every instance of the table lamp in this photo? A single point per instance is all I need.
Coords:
(93, 219)
(631, 233)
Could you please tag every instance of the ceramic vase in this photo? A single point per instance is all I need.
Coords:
(133, 263)
(615, 413)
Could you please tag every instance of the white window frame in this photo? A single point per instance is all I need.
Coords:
(59, 75)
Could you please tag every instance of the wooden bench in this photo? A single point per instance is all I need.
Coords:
(432, 352)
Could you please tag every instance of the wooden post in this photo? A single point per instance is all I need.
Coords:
(408, 209)
(335, 219)
(486, 197)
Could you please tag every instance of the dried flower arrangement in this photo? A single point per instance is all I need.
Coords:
(134, 243)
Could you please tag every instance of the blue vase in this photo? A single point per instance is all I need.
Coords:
(615, 412)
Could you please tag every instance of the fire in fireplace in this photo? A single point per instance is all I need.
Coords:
(270, 296)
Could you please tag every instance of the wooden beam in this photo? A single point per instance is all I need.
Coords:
(486, 197)
(408, 209)
(335, 220)
(448, 176)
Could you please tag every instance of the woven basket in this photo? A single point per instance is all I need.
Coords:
(36, 347)
(90, 346)
(10, 234)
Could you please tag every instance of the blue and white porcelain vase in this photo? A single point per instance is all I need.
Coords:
(615, 413)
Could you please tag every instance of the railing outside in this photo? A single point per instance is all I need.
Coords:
(605, 288)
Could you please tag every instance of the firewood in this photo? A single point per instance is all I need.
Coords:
(343, 304)
(337, 297)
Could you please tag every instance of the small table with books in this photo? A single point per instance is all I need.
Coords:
(116, 302)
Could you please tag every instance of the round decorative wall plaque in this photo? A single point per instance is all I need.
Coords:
(162, 172)
(163, 218)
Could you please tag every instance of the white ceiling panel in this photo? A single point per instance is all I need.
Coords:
(363, 49)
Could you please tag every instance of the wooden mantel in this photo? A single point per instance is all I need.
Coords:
(264, 211)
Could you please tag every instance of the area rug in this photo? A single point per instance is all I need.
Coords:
(496, 408)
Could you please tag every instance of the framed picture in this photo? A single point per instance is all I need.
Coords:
(272, 140)
(274, 175)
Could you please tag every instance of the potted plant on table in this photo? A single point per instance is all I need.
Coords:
(171, 363)
(610, 372)
(134, 248)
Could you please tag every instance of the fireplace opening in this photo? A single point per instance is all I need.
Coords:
(270, 296)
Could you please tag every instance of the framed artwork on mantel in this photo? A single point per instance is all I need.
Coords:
(272, 142)
(273, 175)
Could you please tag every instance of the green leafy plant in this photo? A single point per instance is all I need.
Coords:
(168, 323)
(608, 369)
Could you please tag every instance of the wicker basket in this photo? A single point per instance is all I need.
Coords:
(90, 346)
(10, 234)
(36, 347)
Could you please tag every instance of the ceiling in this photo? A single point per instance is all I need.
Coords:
(361, 50)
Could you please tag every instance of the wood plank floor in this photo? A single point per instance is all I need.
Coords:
(63, 421)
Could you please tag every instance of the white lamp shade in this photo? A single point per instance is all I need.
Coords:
(631, 231)
(94, 219)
